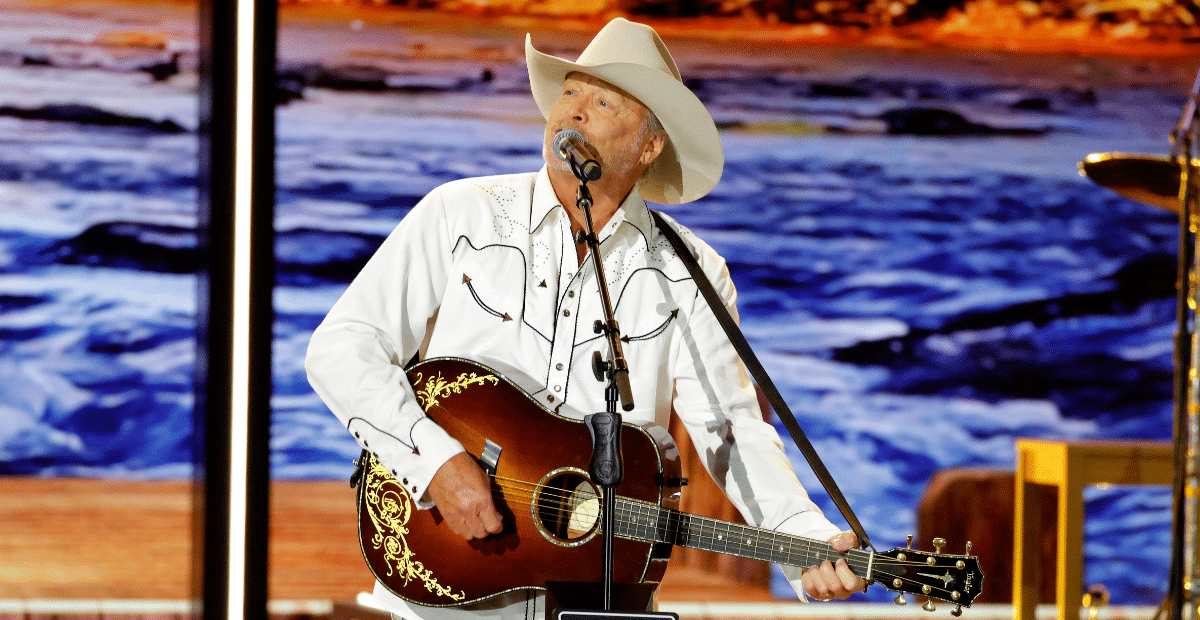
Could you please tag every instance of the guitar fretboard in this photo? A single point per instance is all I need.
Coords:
(650, 523)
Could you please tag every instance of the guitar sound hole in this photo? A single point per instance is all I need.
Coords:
(568, 507)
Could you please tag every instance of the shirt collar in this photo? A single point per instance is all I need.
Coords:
(632, 211)
(544, 200)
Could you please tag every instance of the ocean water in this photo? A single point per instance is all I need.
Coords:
(920, 266)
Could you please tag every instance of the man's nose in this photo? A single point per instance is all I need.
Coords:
(578, 110)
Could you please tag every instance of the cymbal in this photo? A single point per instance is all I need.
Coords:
(1149, 179)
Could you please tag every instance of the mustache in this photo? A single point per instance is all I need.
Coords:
(573, 126)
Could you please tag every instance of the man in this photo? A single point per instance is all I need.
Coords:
(487, 269)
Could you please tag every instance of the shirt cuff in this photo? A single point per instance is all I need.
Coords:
(412, 460)
(793, 574)
(435, 447)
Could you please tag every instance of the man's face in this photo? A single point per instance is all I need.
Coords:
(609, 119)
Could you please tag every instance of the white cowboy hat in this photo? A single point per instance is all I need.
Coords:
(633, 58)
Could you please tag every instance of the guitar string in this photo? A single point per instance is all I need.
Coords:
(710, 528)
(716, 530)
(624, 509)
(700, 527)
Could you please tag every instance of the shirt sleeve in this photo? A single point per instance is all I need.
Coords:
(716, 403)
(356, 356)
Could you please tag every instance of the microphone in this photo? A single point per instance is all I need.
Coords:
(568, 145)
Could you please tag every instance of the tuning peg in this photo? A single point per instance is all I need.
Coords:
(968, 548)
(900, 600)
(903, 557)
(956, 612)
(929, 606)
(938, 543)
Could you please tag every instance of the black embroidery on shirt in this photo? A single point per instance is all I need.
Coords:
(425, 418)
(542, 285)
(657, 331)
(410, 444)
(524, 273)
(794, 514)
(486, 308)
(654, 332)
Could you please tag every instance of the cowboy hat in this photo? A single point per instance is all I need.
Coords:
(633, 58)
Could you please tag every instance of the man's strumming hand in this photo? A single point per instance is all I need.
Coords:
(462, 492)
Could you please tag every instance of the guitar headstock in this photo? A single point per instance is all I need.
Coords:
(954, 579)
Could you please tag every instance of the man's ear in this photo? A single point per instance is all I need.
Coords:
(652, 149)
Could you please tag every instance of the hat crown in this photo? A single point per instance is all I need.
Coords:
(624, 41)
(632, 57)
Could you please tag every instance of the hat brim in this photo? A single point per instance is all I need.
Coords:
(692, 159)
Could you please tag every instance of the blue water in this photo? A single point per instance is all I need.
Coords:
(921, 301)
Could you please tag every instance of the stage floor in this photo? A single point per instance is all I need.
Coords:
(686, 610)
(110, 549)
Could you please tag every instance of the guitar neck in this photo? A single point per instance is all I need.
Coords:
(651, 523)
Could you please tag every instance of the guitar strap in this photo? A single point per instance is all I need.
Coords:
(760, 375)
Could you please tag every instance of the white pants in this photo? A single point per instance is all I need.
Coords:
(516, 605)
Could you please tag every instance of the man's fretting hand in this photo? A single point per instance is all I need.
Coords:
(829, 581)
(462, 492)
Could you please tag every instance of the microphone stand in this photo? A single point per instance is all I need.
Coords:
(605, 427)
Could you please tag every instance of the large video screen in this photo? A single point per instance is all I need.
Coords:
(920, 265)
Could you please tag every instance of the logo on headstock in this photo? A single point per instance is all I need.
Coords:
(946, 579)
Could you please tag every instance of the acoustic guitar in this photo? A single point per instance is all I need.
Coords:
(538, 462)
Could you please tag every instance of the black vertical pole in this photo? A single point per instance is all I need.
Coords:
(210, 527)
(262, 315)
(215, 475)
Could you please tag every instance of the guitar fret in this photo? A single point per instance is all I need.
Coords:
(785, 549)
(695, 534)
(639, 521)
(634, 521)
(721, 533)
(653, 521)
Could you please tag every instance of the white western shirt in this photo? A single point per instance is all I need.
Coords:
(486, 269)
